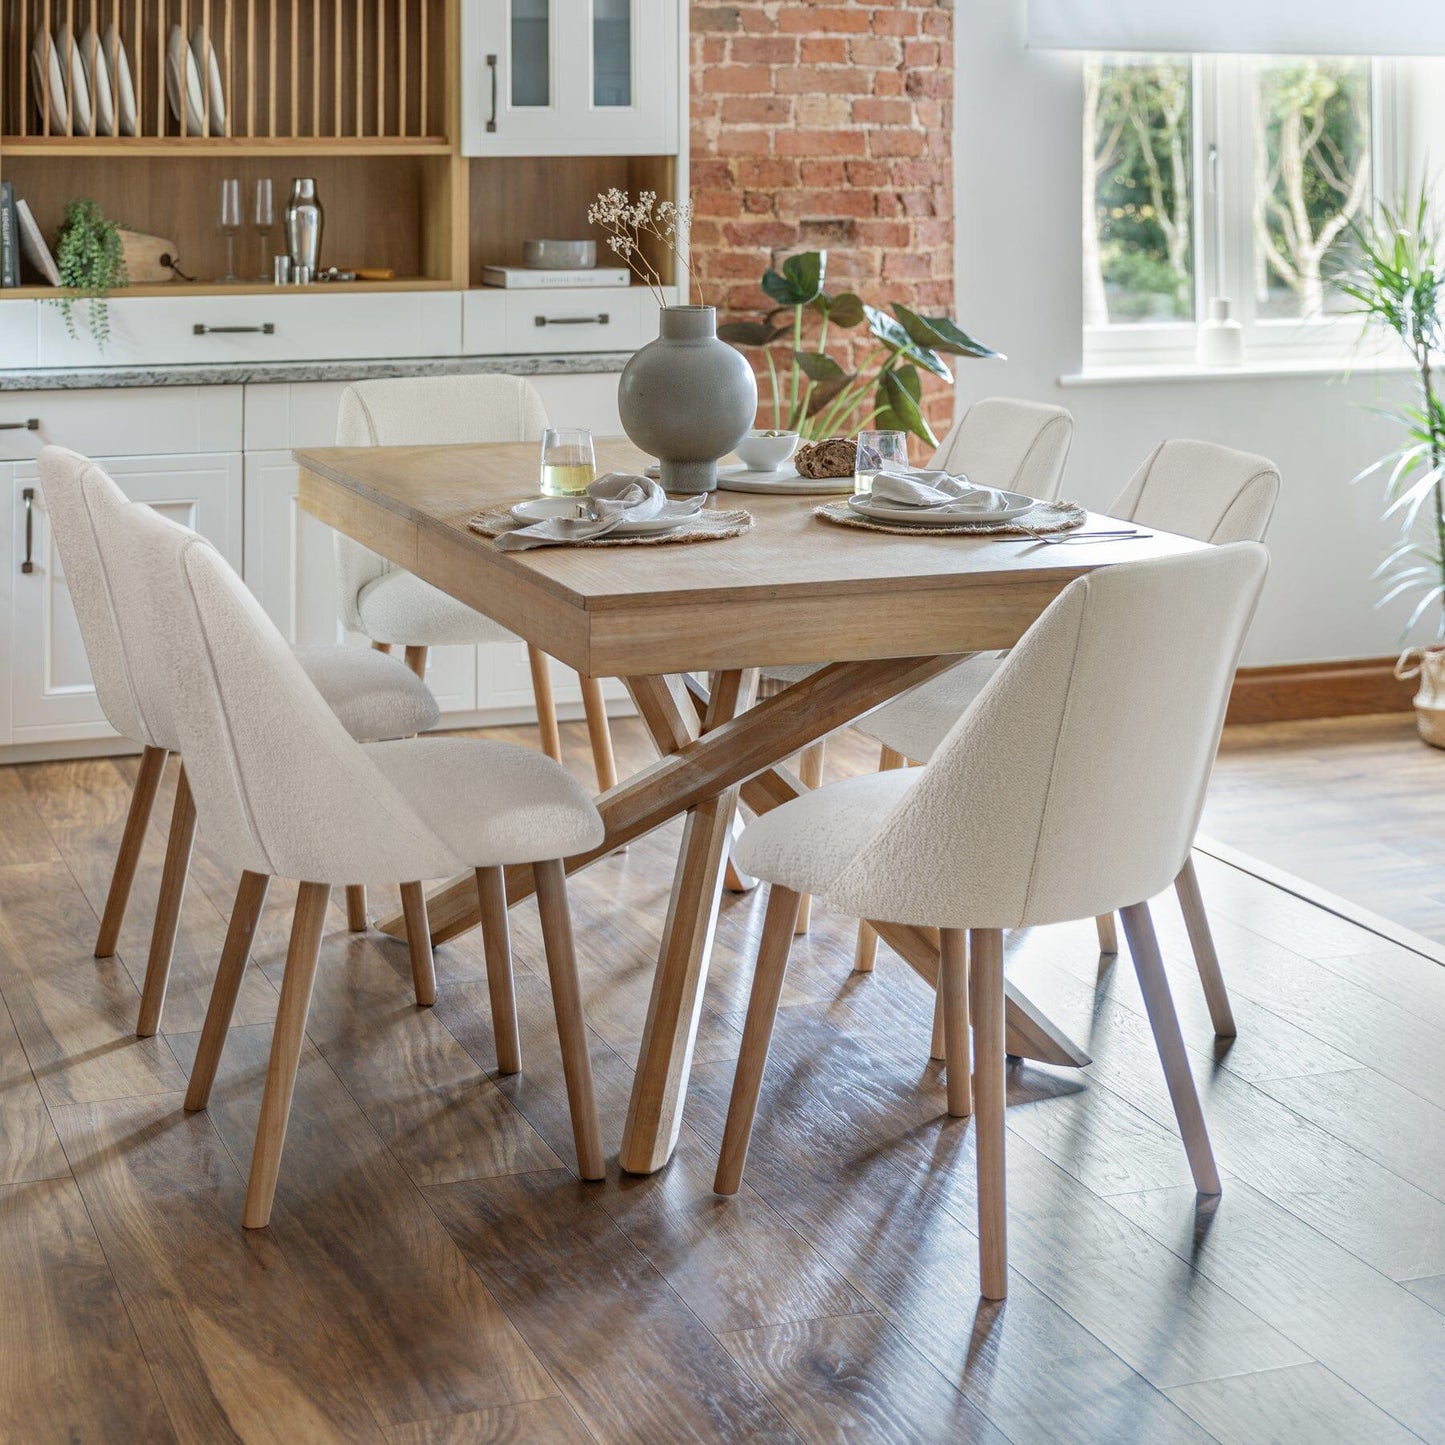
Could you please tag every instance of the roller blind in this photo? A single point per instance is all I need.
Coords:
(1261, 27)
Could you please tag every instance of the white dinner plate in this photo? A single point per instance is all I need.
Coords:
(98, 80)
(210, 74)
(784, 482)
(541, 509)
(1015, 505)
(43, 60)
(183, 83)
(127, 116)
(74, 67)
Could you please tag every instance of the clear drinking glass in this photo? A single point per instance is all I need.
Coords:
(263, 218)
(877, 450)
(569, 464)
(230, 224)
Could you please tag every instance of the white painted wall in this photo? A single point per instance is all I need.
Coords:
(1018, 147)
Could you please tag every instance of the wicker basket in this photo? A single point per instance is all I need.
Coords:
(1428, 664)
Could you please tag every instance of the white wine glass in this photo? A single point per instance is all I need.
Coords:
(263, 219)
(230, 224)
(569, 463)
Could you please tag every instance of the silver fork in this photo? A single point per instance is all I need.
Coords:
(1059, 539)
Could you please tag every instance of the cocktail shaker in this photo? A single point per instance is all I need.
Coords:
(304, 221)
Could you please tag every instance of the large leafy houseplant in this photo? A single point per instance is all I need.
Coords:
(812, 392)
(1395, 281)
(91, 261)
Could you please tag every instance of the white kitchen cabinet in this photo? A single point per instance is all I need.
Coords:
(569, 77)
(51, 696)
(17, 332)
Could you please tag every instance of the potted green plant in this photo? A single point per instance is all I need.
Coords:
(1394, 278)
(816, 395)
(91, 260)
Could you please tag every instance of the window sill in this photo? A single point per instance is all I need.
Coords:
(1250, 371)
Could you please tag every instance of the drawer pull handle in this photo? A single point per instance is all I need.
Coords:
(28, 565)
(267, 328)
(601, 319)
(492, 66)
(30, 424)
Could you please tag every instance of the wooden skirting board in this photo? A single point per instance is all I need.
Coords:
(1318, 689)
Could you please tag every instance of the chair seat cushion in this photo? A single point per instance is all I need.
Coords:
(806, 844)
(915, 723)
(401, 608)
(491, 802)
(374, 696)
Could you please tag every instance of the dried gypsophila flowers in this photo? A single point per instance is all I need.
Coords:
(626, 221)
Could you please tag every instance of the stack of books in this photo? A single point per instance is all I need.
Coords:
(19, 235)
(528, 278)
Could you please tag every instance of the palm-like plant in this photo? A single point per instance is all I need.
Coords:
(1395, 281)
(814, 394)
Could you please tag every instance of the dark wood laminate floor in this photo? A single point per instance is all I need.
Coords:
(436, 1272)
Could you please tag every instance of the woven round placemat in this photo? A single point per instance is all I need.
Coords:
(712, 524)
(1046, 517)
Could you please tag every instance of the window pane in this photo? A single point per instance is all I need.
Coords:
(1312, 178)
(612, 52)
(1138, 190)
(531, 60)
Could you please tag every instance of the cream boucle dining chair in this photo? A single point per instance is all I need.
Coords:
(1000, 829)
(283, 790)
(392, 606)
(1196, 489)
(373, 697)
(1000, 441)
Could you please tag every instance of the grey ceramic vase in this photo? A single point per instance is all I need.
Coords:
(687, 398)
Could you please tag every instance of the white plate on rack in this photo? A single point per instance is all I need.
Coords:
(74, 68)
(542, 509)
(43, 60)
(126, 113)
(99, 81)
(1015, 504)
(183, 83)
(209, 70)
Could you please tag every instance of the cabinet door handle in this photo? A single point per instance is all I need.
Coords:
(29, 424)
(28, 495)
(601, 319)
(492, 66)
(267, 328)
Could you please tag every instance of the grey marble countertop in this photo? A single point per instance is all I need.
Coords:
(240, 373)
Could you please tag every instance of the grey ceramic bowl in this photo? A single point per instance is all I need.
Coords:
(763, 453)
(559, 255)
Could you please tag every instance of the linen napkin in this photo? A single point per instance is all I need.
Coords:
(917, 487)
(611, 500)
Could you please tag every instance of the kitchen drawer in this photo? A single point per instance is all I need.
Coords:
(268, 326)
(123, 421)
(17, 333)
(583, 318)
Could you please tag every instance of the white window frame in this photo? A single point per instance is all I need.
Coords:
(1223, 97)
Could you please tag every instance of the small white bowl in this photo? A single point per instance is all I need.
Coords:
(763, 450)
(559, 255)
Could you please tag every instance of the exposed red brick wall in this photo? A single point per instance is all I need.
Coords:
(824, 124)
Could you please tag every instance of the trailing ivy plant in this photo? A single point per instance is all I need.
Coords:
(813, 393)
(91, 262)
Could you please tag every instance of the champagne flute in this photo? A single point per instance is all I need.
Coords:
(569, 464)
(230, 224)
(263, 218)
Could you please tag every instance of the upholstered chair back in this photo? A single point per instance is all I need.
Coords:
(280, 786)
(1021, 446)
(79, 496)
(1202, 490)
(1073, 785)
(425, 411)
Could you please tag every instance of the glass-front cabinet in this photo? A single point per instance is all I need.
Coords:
(569, 77)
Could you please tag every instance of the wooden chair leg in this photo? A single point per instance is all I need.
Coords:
(865, 951)
(772, 965)
(286, 1040)
(245, 914)
(1108, 934)
(810, 774)
(356, 907)
(416, 660)
(599, 730)
(734, 879)
(418, 942)
(1139, 930)
(137, 820)
(985, 972)
(551, 879)
(168, 909)
(381, 647)
(497, 943)
(953, 997)
(540, 664)
(1206, 960)
(936, 1044)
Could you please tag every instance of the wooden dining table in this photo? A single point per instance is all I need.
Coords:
(882, 612)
